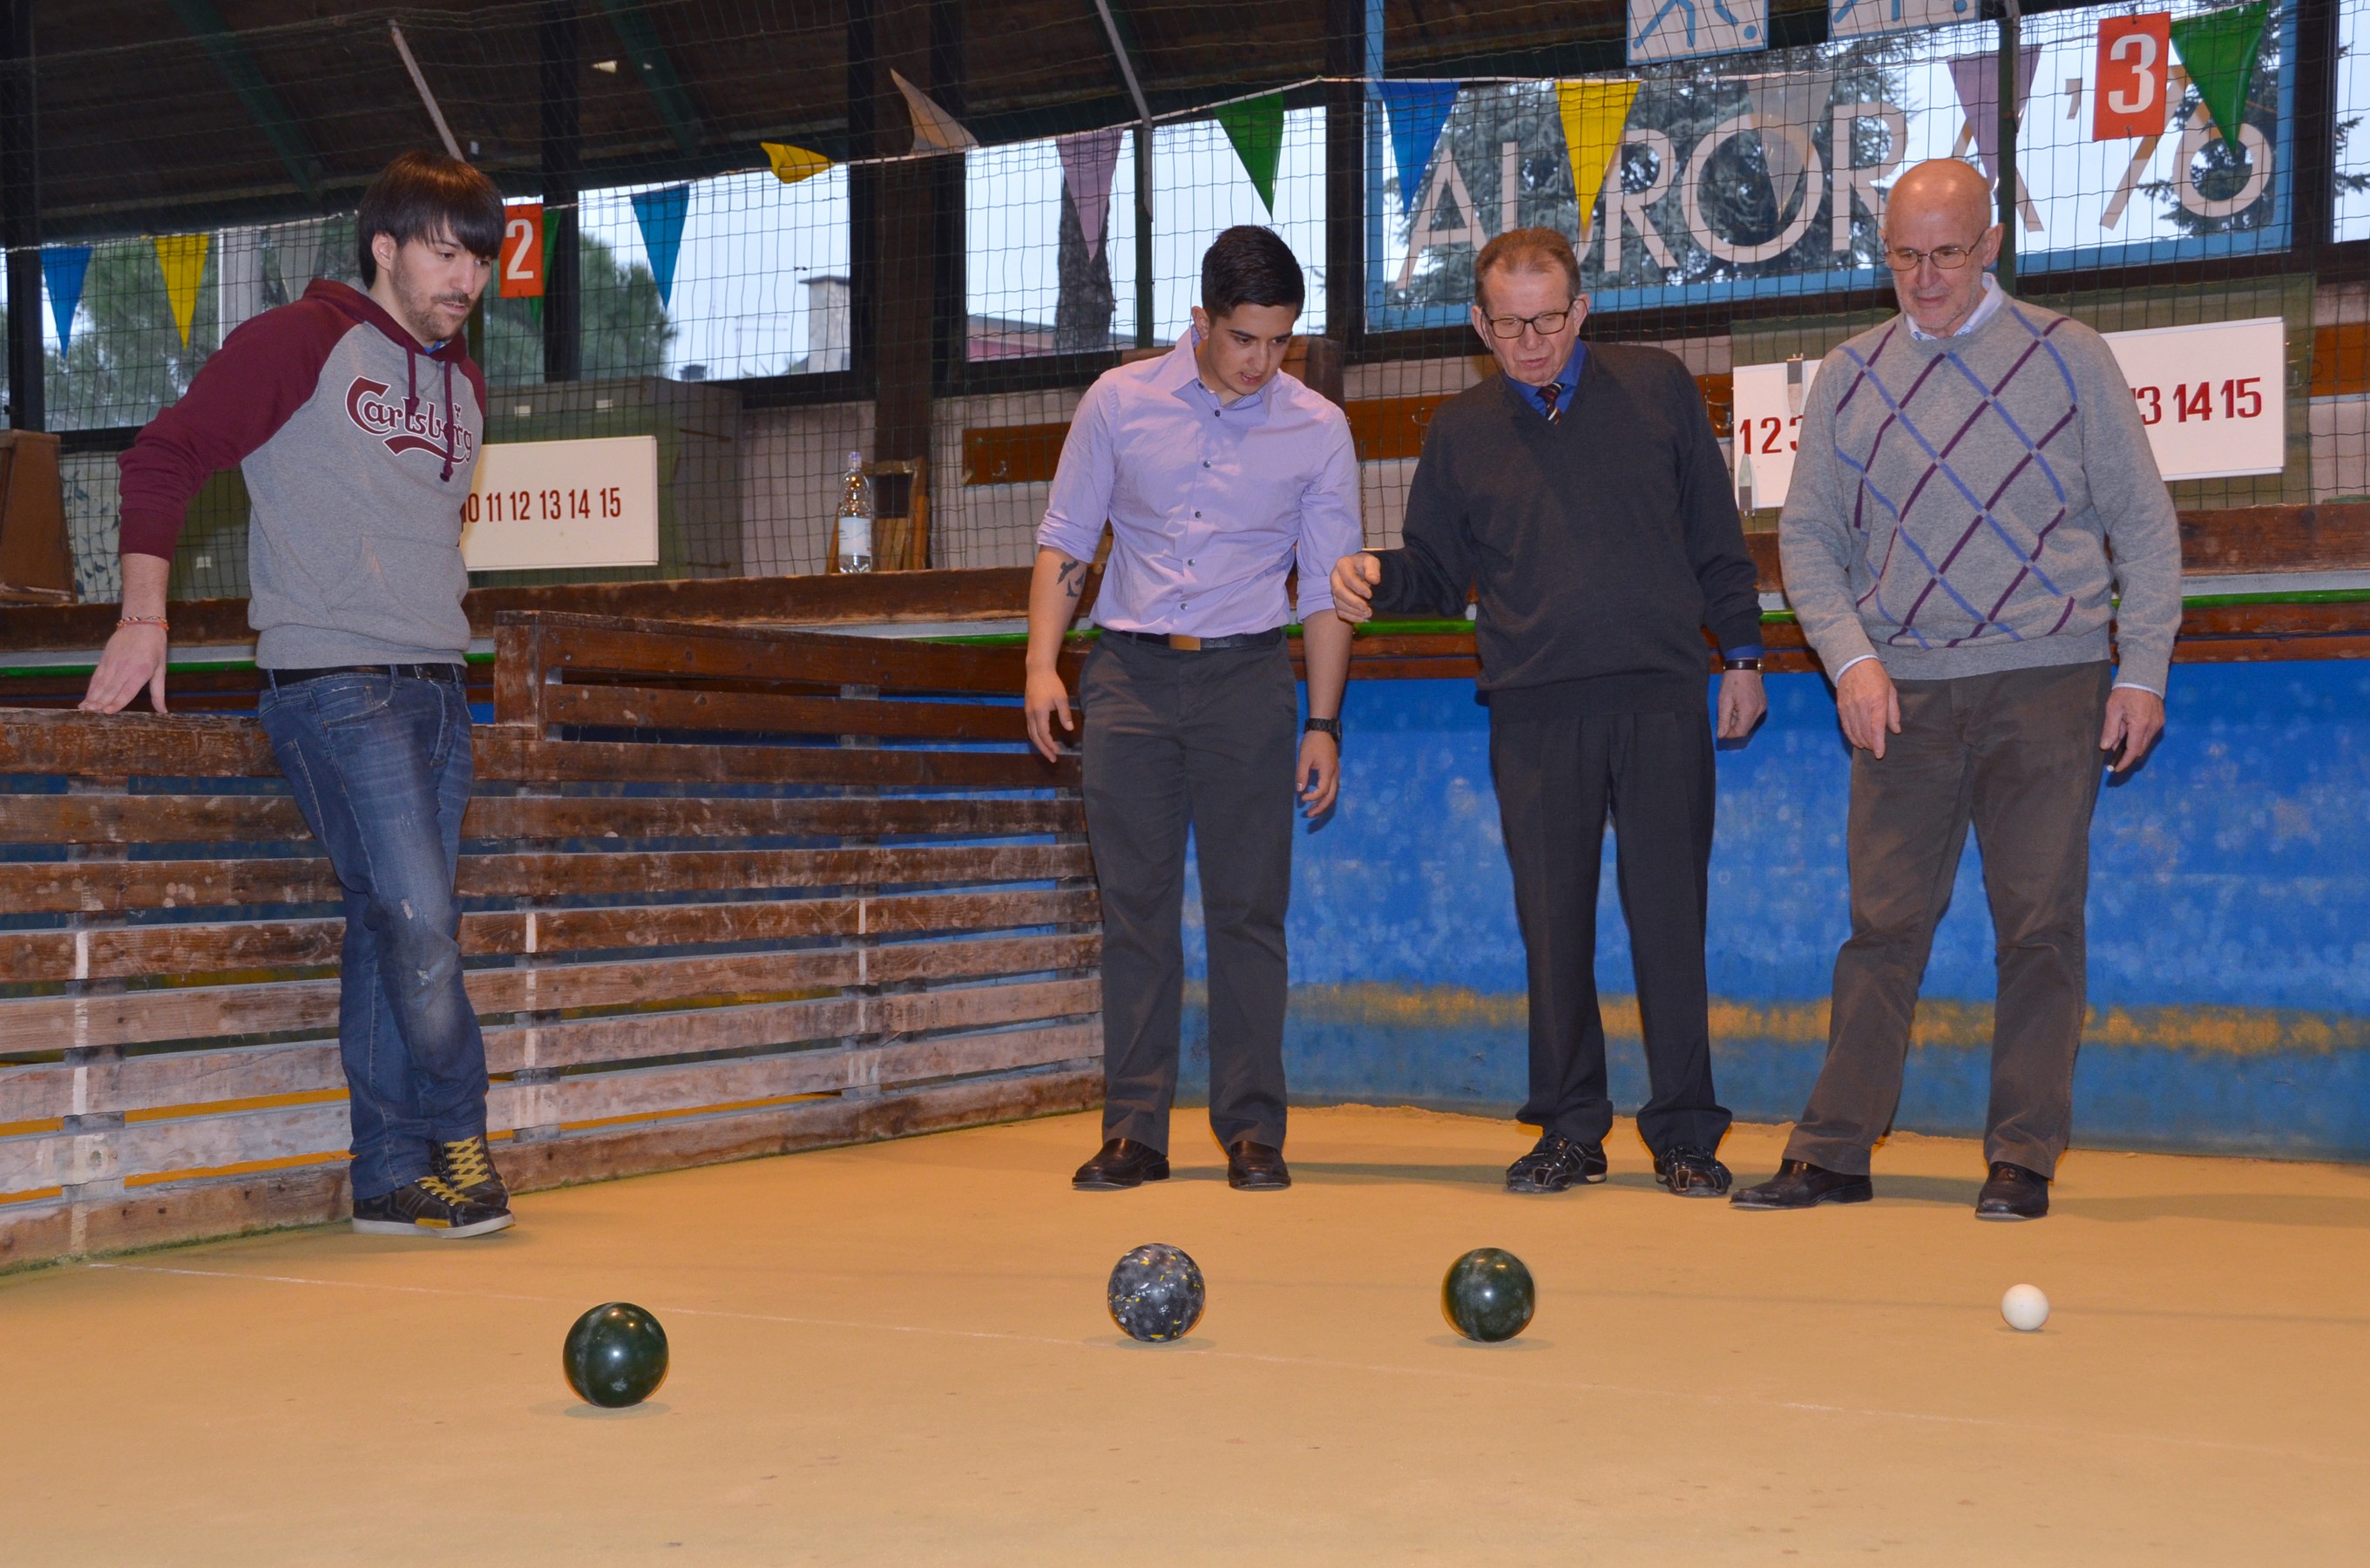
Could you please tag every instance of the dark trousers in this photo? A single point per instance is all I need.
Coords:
(1558, 780)
(1207, 740)
(380, 767)
(2017, 754)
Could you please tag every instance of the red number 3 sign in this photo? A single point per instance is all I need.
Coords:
(521, 257)
(2134, 57)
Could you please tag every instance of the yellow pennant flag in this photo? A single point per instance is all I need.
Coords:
(183, 258)
(792, 164)
(1595, 114)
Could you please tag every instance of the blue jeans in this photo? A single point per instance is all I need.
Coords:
(380, 768)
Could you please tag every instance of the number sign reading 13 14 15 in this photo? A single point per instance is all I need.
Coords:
(2211, 397)
(547, 504)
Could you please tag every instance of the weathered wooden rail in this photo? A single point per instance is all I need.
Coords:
(727, 892)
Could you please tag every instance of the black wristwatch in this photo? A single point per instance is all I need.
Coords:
(1753, 663)
(1331, 727)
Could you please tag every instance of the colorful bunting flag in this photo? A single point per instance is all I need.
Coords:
(792, 164)
(1090, 158)
(661, 213)
(1594, 115)
(1977, 78)
(63, 267)
(183, 258)
(1418, 112)
(2218, 51)
(1254, 126)
(935, 131)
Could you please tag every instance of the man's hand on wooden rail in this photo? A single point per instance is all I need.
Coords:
(135, 654)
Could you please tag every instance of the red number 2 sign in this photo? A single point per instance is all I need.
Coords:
(521, 257)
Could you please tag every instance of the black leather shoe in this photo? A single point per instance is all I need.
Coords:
(1553, 1164)
(2013, 1193)
(1254, 1167)
(1801, 1184)
(1690, 1172)
(1123, 1163)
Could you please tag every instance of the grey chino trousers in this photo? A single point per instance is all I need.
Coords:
(2016, 755)
(1207, 740)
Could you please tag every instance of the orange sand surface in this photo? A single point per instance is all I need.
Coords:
(899, 1353)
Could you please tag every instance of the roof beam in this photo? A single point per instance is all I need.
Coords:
(245, 78)
(655, 70)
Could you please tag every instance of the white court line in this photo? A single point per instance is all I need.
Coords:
(1317, 1363)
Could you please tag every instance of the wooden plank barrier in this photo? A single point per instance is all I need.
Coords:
(726, 891)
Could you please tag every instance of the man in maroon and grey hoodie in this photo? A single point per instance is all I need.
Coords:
(355, 415)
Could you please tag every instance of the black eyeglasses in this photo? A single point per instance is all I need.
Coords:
(1547, 324)
(1950, 258)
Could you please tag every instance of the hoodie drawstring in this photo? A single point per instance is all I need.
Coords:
(447, 475)
(411, 384)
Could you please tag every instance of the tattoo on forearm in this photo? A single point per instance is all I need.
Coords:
(1071, 575)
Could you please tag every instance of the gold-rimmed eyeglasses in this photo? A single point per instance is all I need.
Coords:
(1547, 324)
(1950, 258)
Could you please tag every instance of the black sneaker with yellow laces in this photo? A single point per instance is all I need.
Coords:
(428, 1207)
(467, 1166)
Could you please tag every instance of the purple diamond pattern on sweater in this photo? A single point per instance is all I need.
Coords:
(1954, 472)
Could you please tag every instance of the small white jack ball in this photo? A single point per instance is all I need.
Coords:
(2025, 1308)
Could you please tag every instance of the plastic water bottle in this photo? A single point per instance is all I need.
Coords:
(856, 518)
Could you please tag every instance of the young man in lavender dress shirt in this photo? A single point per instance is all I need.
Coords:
(1217, 472)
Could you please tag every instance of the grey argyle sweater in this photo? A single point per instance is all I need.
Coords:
(1955, 503)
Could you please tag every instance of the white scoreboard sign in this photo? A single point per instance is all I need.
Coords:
(2213, 398)
(546, 504)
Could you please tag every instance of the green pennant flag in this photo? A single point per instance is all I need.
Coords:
(1256, 128)
(2218, 51)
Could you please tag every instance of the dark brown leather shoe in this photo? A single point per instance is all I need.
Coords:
(2013, 1193)
(1801, 1184)
(1123, 1164)
(1254, 1167)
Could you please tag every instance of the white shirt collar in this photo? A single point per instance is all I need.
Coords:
(1985, 308)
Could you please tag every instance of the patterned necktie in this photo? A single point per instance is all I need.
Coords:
(1551, 395)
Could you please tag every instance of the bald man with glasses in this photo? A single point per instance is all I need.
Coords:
(1581, 493)
(1973, 496)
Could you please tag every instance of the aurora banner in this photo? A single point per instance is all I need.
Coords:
(1765, 173)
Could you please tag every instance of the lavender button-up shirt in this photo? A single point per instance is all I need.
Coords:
(1209, 504)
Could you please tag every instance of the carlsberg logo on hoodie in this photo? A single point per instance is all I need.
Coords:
(357, 446)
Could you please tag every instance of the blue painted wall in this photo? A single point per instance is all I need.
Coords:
(2229, 923)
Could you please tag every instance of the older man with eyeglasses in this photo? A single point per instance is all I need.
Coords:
(1972, 493)
(1583, 494)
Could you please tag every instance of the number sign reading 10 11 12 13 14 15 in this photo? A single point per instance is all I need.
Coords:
(540, 504)
(2213, 398)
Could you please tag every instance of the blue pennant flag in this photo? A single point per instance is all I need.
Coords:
(661, 213)
(1419, 110)
(64, 267)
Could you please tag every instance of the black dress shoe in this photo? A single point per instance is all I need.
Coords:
(1554, 1164)
(2013, 1193)
(1801, 1184)
(1690, 1172)
(1255, 1167)
(1123, 1163)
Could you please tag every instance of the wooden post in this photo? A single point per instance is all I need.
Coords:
(20, 218)
(1345, 172)
(2009, 215)
(2313, 204)
(908, 235)
(563, 315)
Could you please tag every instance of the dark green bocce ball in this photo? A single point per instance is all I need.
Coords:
(1488, 1295)
(1157, 1293)
(616, 1354)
